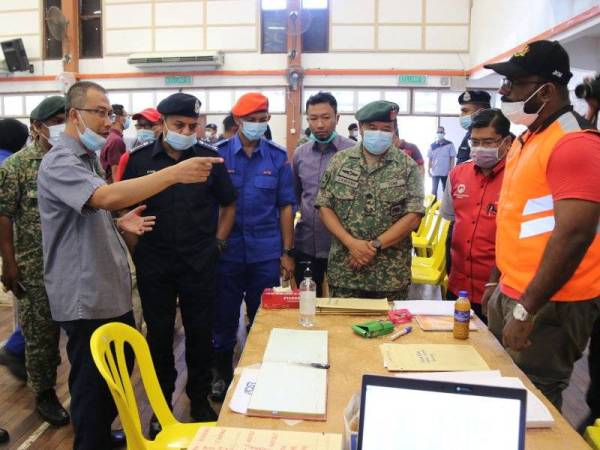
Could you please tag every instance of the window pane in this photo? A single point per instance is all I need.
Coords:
(219, 101)
(425, 101)
(121, 98)
(274, 31)
(365, 97)
(13, 105)
(314, 4)
(91, 37)
(142, 100)
(31, 101)
(306, 94)
(276, 100)
(90, 7)
(400, 97)
(200, 95)
(162, 94)
(315, 30)
(345, 100)
(449, 103)
(273, 4)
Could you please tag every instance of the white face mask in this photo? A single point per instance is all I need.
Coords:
(54, 132)
(515, 111)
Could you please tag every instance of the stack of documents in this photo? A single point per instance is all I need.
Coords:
(352, 306)
(537, 415)
(292, 381)
(431, 357)
(211, 438)
(427, 307)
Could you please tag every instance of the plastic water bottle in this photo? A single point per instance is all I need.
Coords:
(462, 316)
(308, 299)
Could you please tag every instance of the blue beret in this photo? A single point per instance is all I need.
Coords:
(180, 104)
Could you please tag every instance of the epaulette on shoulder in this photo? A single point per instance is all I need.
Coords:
(207, 146)
(141, 147)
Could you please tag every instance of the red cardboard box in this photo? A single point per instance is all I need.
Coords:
(280, 300)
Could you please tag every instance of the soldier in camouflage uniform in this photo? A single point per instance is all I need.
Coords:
(371, 199)
(23, 262)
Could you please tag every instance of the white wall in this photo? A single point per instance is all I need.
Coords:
(498, 26)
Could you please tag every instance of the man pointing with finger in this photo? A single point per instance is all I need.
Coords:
(86, 273)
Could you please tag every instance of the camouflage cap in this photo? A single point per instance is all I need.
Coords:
(378, 111)
(49, 107)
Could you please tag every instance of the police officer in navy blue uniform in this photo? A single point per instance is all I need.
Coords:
(260, 245)
(470, 102)
(178, 259)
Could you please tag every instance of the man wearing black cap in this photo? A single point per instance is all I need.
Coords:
(178, 259)
(547, 243)
(470, 102)
(13, 135)
(22, 261)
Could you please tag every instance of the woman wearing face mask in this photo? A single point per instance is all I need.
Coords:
(370, 200)
(470, 200)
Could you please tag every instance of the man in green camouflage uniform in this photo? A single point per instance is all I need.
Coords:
(371, 199)
(23, 264)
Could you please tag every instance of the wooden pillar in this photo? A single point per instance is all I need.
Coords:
(294, 95)
(70, 9)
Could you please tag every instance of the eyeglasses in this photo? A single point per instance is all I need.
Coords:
(484, 142)
(101, 113)
(507, 84)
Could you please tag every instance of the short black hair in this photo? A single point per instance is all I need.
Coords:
(307, 131)
(118, 109)
(440, 126)
(228, 122)
(491, 117)
(352, 126)
(322, 97)
(77, 93)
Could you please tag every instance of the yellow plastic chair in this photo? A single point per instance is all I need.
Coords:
(423, 239)
(592, 435)
(108, 350)
(432, 270)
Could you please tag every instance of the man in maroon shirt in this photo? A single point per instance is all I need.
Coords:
(115, 146)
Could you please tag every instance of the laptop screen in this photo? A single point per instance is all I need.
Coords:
(401, 414)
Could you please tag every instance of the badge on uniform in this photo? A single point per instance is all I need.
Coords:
(267, 172)
(396, 209)
(148, 172)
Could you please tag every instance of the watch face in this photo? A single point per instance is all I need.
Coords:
(520, 313)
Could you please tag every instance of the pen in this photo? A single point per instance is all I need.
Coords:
(315, 365)
(402, 332)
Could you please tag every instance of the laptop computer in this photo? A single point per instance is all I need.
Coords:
(410, 414)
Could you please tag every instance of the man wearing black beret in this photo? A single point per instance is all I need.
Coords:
(178, 259)
(470, 102)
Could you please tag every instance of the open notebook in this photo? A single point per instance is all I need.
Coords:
(288, 385)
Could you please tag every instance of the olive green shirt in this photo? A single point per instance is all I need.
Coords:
(368, 201)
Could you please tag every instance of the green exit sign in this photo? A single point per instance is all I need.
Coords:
(178, 80)
(418, 80)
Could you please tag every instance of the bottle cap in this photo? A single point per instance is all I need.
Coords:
(307, 271)
(463, 294)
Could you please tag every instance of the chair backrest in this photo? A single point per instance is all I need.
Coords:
(108, 350)
(439, 247)
(428, 222)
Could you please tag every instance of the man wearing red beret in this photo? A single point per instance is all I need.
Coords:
(261, 242)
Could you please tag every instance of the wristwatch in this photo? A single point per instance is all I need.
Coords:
(289, 251)
(377, 244)
(521, 314)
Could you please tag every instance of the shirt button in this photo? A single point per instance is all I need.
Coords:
(468, 242)
(473, 222)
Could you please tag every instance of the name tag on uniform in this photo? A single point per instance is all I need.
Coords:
(267, 172)
(392, 184)
(231, 170)
(342, 180)
(351, 174)
(148, 172)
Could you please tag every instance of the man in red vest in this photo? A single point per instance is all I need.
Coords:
(547, 243)
(471, 201)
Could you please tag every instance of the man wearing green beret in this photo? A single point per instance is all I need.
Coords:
(371, 199)
(22, 259)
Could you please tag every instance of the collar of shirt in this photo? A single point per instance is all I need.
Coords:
(549, 120)
(117, 132)
(438, 144)
(331, 147)
(68, 141)
(35, 152)
(236, 142)
(158, 148)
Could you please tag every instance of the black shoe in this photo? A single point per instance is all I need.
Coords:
(4, 437)
(154, 428)
(201, 411)
(14, 363)
(223, 375)
(50, 409)
(117, 439)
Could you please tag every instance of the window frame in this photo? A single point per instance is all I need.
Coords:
(87, 17)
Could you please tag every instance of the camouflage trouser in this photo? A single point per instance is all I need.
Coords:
(342, 292)
(42, 334)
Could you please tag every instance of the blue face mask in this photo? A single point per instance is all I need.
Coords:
(441, 136)
(127, 122)
(145, 136)
(90, 139)
(465, 122)
(254, 130)
(377, 142)
(180, 142)
(324, 142)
